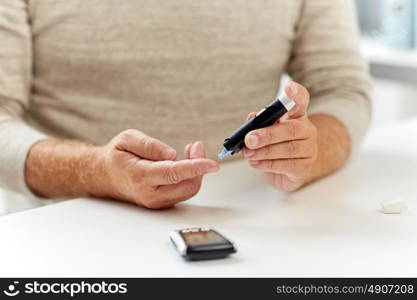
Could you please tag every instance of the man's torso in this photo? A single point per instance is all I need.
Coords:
(177, 70)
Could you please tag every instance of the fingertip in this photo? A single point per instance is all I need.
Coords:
(209, 165)
(250, 116)
(194, 150)
(197, 150)
(291, 89)
(202, 149)
(300, 95)
(213, 168)
(187, 151)
(169, 154)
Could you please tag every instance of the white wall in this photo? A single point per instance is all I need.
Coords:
(393, 101)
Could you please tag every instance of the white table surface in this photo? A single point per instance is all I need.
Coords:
(330, 228)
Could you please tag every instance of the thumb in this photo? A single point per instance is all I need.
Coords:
(251, 116)
(300, 95)
(144, 146)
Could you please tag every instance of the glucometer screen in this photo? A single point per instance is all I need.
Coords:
(202, 238)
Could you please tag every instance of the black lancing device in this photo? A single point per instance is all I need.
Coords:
(266, 117)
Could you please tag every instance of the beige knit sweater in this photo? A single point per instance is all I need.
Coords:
(180, 71)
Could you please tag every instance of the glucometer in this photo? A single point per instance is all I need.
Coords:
(266, 117)
(201, 244)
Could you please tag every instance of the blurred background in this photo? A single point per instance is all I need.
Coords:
(389, 43)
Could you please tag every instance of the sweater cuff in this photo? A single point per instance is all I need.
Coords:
(16, 138)
(353, 115)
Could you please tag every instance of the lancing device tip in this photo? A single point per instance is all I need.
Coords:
(222, 154)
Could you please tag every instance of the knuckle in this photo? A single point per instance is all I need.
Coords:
(270, 165)
(172, 176)
(268, 136)
(292, 128)
(147, 145)
(125, 136)
(293, 148)
(266, 152)
(289, 165)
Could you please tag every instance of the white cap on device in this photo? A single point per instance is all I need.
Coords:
(287, 102)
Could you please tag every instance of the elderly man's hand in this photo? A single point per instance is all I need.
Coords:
(132, 167)
(140, 169)
(286, 151)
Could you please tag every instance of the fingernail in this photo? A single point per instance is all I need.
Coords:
(249, 152)
(253, 140)
(168, 153)
(212, 169)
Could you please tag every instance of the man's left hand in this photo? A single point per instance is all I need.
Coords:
(286, 151)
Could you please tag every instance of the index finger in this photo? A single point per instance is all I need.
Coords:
(300, 95)
(142, 145)
(283, 132)
(173, 172)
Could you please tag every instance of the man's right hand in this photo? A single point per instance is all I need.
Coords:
(143, 170)
(132, 167)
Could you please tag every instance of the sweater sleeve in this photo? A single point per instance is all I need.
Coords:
(16, 138)
(326, 60)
